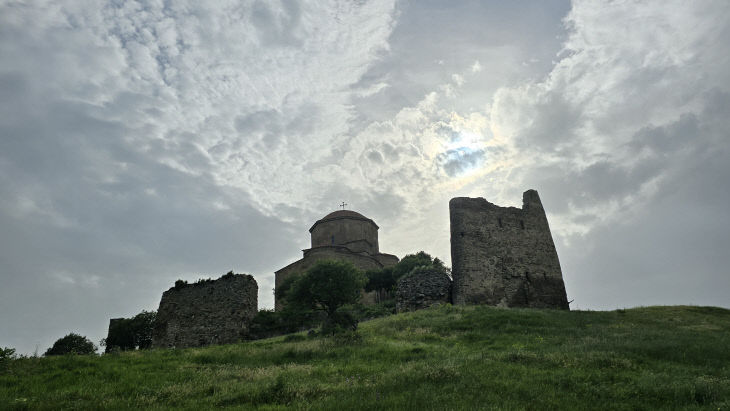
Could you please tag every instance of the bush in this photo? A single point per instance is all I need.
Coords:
(131, 333)
(270, 323)
(72, 344)
(6, 355)
(368, 312)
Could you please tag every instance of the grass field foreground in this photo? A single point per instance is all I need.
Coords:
(448, 357)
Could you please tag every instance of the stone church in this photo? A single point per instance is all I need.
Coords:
(341, 235)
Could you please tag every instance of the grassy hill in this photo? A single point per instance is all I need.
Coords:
(441, 358)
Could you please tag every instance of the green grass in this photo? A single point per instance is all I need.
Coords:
(441, 358)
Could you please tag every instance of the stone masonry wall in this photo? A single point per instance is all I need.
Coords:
(210, 312)
(504, 256)
(422, 288)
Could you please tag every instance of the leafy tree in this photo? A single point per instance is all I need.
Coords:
(411, 261)
(327, 287)
(72, 344)
(131, 333)
(282, 290)
(381, 279)
(7, 354)
(387, 278)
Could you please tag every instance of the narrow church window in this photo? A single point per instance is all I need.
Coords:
(522, 224)
(462, 234)
(499, 220)
(333, 239)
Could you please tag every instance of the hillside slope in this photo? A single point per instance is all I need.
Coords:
(441, 358)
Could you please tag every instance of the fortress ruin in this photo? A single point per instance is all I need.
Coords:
(504, 256)
(207, 312)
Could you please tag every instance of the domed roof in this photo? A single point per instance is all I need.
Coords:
(343, 214)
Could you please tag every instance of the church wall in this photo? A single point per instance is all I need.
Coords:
(504, 256)
(387, 260)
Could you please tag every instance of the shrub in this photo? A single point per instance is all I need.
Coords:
(270, 323)
(72, 344)
(368, 312)
(6, 355)
(131, 333)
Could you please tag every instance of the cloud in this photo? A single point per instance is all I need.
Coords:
(146, 141)
(611, 137)
(458, 161)
(608, 98)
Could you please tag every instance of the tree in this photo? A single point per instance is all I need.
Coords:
(387, 278)
(328, 286)
(380, 279)
(411, 261)
(72, 344)
(131, 333)
(7, 355)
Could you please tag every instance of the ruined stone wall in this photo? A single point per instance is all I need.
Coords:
(422, 288)
(211, 312)
(504, 256)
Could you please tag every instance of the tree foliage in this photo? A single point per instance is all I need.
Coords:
(381, 279)
(328, 286)
(411, 261)
(282, 290)
(131, 333)
(7, 353)
(72, 344)
(387, 278)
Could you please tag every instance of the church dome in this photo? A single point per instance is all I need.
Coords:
(346, 228)
(339, 214)
(343, 213)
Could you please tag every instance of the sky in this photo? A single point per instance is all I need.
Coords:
(143, 142)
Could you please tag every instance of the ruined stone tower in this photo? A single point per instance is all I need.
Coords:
(504, 256)
(207, 312)
(341, 235)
